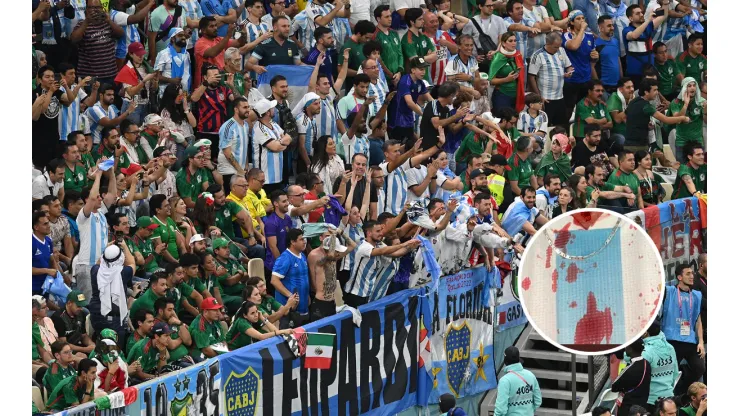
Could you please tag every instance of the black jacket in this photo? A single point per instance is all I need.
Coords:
(635, 383)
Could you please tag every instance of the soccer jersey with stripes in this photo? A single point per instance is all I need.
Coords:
(265, 159)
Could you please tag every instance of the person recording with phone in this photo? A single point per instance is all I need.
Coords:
(110, 278)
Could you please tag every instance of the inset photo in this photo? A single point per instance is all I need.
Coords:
(591, 281)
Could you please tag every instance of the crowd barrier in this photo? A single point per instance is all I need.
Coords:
(409, 348)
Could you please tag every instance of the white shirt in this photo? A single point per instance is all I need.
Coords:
(493, 27)
(93, 236)
(360, 11)
(415, 176)
(43, 186)
(163, 64)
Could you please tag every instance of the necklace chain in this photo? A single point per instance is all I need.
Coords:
(597, 251)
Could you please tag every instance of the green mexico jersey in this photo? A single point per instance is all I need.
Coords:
(606, 187)
(75, 179)
(269, 305)
(417, 45)
(392, 55)
(183, 290)
(146, 353)
(586, 110)
(232, 267)
(692, 131)
(667, 73)
(205, 333)
(145, 301)
(191, 185)
(167, 233)
(622, 178)
(693, 67)
(521, 170)
(615, 104)
(225, 215)
(698, 176)
(237, 336)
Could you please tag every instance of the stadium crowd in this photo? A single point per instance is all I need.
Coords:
(192, 215)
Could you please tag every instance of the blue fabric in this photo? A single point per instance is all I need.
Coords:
(608, 60)
(636, 63)
(693, 22)
(399, 113)
(41, 259)
(589, 12)
(580, 58)
(453, 140)
(673, 316)
(276, 227)
(298, 75)
(550, 199)
(217, 8)
(335, 212)
(55, 286)
(518, 215)
(178, 71)
(106, 164)
(663, 366)
(430, 262)
(295, 278)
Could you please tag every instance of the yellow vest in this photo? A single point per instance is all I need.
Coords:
(496, 186)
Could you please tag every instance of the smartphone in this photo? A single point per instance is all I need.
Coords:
(93, 80)
(119, 237)
(57, 77)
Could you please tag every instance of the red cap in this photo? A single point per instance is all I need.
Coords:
(131, 169)
(137, 49)
(210, 303)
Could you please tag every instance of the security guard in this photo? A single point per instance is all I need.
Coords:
(518, 390)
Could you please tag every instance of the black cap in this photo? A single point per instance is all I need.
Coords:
(498, 160)
(161, 328)
(475, 173)
(419, 63)
(446, 402)
(511, 354)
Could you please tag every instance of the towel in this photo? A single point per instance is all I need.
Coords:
(313, 229)
(418, 215)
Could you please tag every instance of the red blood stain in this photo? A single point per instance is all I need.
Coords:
(549, 257)
(527, 282)
(595, 324)
(632, 227)
(586, 219)
(563, 238)
(640, 294)
(573, 304)
(572, 275)
(555, 280)
(640, 257)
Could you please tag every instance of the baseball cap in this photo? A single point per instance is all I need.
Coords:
(202, 143)
(210, 304)
(161, 328)
(77, 297)
(108, 333)
(131, 169)
(488, 116)
(475, 173)
(419, 63)
(152, 119)
(146, 222)
(191, 151)
(264, 105)
(136, 48)
(220, 242)
(157, 152)
(512, 353)
(198, 237)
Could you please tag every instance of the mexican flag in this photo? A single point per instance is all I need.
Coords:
(319, 350)
(118, 399)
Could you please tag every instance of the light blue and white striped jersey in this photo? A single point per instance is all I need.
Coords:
(69, 117)
(339, 25)
(130, 32)
(235, 5)
(354, 145)
(521, 37)
(385, 277)
(529, 124)
(358, 236)
(455, 66)
(191, 9)
(267, 19)
(550, 72)
(69, 24)
(538, 14)
(307, 126)
(326, 120)
(265, 159)
(93, 236)
(299, 27)
(379, 89)
(236, 136)
(365, 270)
(253, 33)
(95, 114)
(394, 190)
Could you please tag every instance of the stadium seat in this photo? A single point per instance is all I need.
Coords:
(38, 398)
(668, 188)
(88, 326)
(668, 152)
(256, 267)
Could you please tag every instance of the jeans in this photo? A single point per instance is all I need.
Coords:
(253, 252)
(138, 115)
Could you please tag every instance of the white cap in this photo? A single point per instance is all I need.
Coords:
(263, 106)
(202, 143)
(152, 119)
(112, 253)
(488, 116)
(196, 238)
(337, 246)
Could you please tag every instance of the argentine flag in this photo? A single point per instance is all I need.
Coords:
(298, 77)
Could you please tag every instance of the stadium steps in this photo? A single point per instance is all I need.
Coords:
(552, 367)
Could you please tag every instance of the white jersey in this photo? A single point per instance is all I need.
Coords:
(69, 117)
(234, 136)
(93, 236)
(265, 159)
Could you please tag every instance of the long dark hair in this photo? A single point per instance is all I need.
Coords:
(243, 309)
(579, 201)
(177, 114)
(320, 157)
(203, 214)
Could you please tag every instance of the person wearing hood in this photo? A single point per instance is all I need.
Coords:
(109, 304)
(518, 390)
(663, 365)
(555, 162)
(691, 105)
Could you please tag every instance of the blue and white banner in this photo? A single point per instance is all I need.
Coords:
(374, 371)
(298, 77)
(459, 317)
